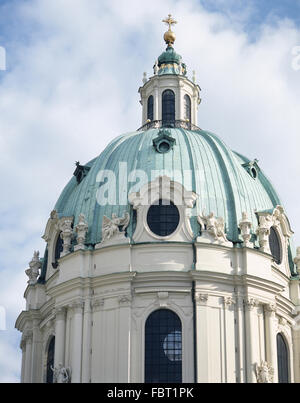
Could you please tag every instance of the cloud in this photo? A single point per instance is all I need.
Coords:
(74, 70)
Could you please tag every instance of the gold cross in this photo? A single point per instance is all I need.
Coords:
(170, 21)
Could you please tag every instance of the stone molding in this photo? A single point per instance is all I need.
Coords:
(97, 304)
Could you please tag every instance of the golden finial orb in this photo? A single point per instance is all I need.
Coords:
(169, 36)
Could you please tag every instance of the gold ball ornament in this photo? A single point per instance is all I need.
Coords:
(169, 37)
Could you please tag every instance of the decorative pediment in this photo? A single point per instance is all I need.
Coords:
(277, 218)
(52, 226)
(252, 168)
(163, 188)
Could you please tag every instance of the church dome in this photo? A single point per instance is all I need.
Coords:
(225, 182)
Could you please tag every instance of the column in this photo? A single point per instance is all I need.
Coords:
(60, 336)
(36, 372)
(124, 340)
(179, 101)
(230, 375)
(250, 318)
(155, 104)
(23, 347)
(28, 338)
(240, 337)
(87, 342)
(202, 338)
(271, 343)
(77, 308)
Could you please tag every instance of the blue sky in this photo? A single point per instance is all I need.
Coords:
(64, 55)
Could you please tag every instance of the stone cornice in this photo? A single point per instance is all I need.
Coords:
(26, 317)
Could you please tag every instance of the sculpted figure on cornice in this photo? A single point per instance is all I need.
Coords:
(110, 227)
(214, 227)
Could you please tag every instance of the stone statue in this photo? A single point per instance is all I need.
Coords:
(297, 259)
(156, 67)
(81, 229)
(110, 227)
(215, 226)
(144, 78)
(34, 268)
(61, 374)
(264, 373)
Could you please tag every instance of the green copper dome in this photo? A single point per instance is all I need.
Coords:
(226, 183)
(169, 62)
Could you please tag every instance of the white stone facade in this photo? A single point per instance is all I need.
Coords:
(232, 302)
(180, 85)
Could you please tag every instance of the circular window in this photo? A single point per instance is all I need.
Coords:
(275, 246)
(164, 147)
(163, 218)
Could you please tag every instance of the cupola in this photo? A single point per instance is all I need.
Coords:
(169, 98)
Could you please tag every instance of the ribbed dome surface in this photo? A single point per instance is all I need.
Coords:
(218, 177)
(169, 56)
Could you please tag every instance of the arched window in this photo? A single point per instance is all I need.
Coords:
(163, 218)
(275, 246)
(168, 108)
(187, 108)
(283, 360)
(150, 108)
(163, 347)
(50, 360)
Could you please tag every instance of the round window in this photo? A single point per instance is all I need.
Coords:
(275, 246)
(164, 147)
(163, 218)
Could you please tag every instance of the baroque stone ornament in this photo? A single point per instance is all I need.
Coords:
(61, 374)
(263, 232)
(81, 229)
(114, 229)
(213, 229)
(251, 303)
(245, 227)
(34, 269)
(66, 234)
(156, 68)
(264, 373)
(297, 259)
(201, 298)
(278, 220)
(229, 301)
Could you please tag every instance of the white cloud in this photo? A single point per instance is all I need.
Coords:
(73, 87)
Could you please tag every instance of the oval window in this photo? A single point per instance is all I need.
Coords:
(163, 218)
(275, 245)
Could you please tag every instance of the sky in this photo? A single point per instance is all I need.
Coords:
(73, 69)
